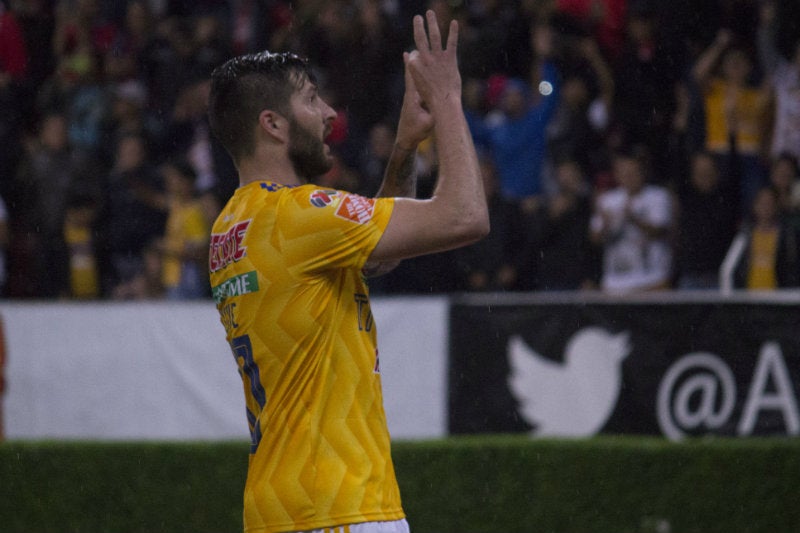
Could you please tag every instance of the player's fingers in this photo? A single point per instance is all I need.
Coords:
(407, 70)
(433, 31)
(420, 37)
(409, 79)
(452, 36)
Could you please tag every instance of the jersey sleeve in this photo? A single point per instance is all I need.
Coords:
(322, 229)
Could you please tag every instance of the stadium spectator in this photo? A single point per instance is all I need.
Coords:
(783, 76)
(374, 158)
(187, 135)
(770, 257)
(784, 177)
(133, 214)
(515, 136)
(645, 75)
(733, 104)
(91, 61)
(184, 246)
(603, 19)
(37, 23)
(84, 267)
(490, 29)
(584, 113)
(168, 64)
(147, 283)
(708, 220)
(492, 264)
(558, 253)
(81, 31)
(51, 171)
(633, 224)
(13, 74)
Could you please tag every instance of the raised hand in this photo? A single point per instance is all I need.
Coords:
(416, 122)
(434, 69)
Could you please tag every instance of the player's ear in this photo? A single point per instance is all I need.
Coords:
(273, 125)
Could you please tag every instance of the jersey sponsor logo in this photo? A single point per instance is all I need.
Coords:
(227, 248)
(322, 198)
(356, 208)
(235, 286)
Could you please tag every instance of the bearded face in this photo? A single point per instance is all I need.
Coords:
(307, 152)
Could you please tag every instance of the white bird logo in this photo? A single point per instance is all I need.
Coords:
(573, 399)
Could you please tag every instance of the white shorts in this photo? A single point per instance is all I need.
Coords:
(393, 526)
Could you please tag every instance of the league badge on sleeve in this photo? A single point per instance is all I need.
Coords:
(322, 198)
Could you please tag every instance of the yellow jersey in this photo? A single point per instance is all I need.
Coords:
(186, 225)
(285, 268)
(84, 279)
(751, 110)
(763, 255)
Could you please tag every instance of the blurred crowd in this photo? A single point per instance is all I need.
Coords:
(627, 145)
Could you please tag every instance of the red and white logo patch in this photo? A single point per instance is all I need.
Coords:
(356, 208)
(227, 248)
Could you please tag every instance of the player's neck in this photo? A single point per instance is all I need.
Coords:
(265, 168)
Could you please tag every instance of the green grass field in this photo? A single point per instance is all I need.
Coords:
(491, 484)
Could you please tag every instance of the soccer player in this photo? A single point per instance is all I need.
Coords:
(288, 261)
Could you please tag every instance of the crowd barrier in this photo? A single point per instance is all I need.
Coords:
(552, 365)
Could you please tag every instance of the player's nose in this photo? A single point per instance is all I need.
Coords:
(328, 112)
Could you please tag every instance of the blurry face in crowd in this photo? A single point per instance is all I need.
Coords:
(640, 29)
(53, 134)
(130, 153)
(782, 174)
(736, 66)
(177, 183)
(704, 173)
(570, 177)
(765, 206)
(381, 141)
(514, 100)
(628, 173)
(575, 93)
(310, 122)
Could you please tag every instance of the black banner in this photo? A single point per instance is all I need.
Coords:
(729, 368)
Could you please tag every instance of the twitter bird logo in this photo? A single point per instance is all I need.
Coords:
(573, 398)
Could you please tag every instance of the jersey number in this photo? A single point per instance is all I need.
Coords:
(243, 349)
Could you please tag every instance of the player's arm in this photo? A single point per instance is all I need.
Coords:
(400, 177)
(414, 126)
(456, 214)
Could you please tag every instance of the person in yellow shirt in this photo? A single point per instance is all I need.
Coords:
(289, 261)
(185, 239)
(771, 257)
(84, 274)
(734, 106)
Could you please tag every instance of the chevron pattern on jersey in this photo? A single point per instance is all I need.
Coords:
(304, 341)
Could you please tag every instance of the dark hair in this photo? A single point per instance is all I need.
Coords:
(634, 152)
(789, 158)
(244, 86)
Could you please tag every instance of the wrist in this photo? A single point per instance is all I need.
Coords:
(449, 100)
